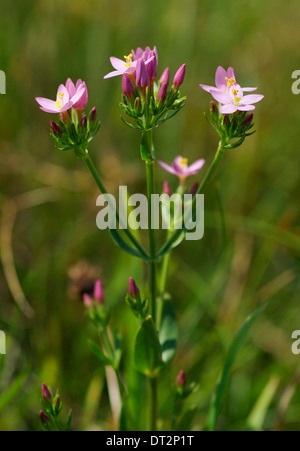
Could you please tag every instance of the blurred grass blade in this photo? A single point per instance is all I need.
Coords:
(13, 390)
(185, 422)
(97, 351)
(257, 416)
(148, 351)
(168, 333)
(233, 351)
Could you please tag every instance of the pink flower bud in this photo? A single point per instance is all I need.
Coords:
(98, 292)
(142, 78)
(179, 77)
(167, 189)
(55, 129)
(181, 380)
(165, 76)
(194, 189)
(44, 418)
(162, 94)
(248, 120)
(133, 289)
(152, 66)
(127, 86)
(213, 107)
(88, 302)
(83, 122)
(46, 393)
(93, 114)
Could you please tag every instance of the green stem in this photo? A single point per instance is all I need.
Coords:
(152, 281)
(102, 188)
(208, 176)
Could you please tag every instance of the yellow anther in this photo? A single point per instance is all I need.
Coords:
(128, 59)
(58, 104)
(237, 99)
(184, 161)
(230, 81)
(61, 95)
(235, 92)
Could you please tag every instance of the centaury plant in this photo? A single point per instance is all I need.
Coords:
(146, 103)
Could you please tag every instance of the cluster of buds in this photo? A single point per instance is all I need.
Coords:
(74, 129)
(52, 406)
(146, 99)
(138, 305)
(231, 127)
(94, 303)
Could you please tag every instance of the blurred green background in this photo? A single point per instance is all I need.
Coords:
(49, 240)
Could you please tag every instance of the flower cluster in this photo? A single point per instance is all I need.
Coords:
(96, 310)
(49, 416)
(146, 99)
(74, 129)
(230, 116)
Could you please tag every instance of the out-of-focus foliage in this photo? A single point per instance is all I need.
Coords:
(250, 251)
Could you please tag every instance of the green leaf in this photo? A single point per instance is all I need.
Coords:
(147, 154)
(233, 351)
(69, 421)
(148, 351)
(172, 244)
(97, 351)
(168, 333)
(118, 240)
(118, 349)
(13, 390)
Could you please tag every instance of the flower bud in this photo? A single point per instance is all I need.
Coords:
(179, 77)
(194, 189)
(44, 418)
(133, 289)
(167, 189)
(226, 121)
(181, 379)
(98, 292)
(46, 393)
(152, 66)
(165, 76)
(142, 78)
(88, 302)
(248, 120)
(127, 86)
(162, 94)
(83, 122)
(82, 102)
(56, 129)
(213, 108)
(93, 114)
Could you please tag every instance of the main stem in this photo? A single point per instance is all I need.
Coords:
(152, 280)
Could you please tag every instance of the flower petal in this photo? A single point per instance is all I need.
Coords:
(206, 87)
(230, 73)
(221, 97)
(246, 107)
(220, 78)
(47, 105)
(249, 89)
(195, 167)
(117, 63)
(228, 109)
(70, 87)
(252, 98)
(167, 167)
(115, 73)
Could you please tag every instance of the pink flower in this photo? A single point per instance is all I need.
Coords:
(73, 90)
(181, 169)
(224, 81)
(128, 65)
(234, 100)
(63, 101)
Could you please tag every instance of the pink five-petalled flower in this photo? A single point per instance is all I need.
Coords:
(74, 89)
(63, 100)
(234, 100)
(181, 169)
(224, 80)
(128, 65)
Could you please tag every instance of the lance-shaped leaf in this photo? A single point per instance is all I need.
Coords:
(148, 351)
(168, 332)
